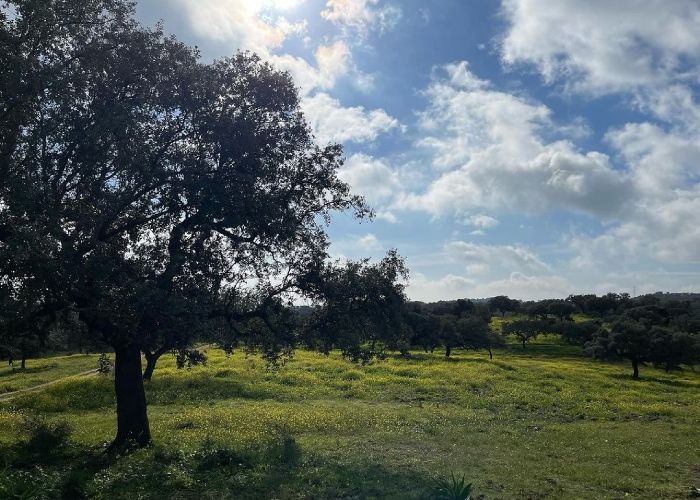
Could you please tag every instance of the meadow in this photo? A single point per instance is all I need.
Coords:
(545, 422)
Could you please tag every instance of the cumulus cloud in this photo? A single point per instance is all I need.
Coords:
(369, 242)
(490, 151)
(372, 178)
(602, 46)
(516, 285)
(332, 122)
(482, 221)
(491, 145)
(361, 15)
(249, 25)
(332, 62)
(480, 259)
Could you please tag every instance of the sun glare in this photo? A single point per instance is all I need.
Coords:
(283, 4)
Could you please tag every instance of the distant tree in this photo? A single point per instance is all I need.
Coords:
(476, 334)
(463, 307)
(361, 308)
(450, 336)
(628, 339)
(671, 349)
(604, 305)
(577, 333)
(526, 330)
(424, 327)
(561, 309)
(537, 309)
(581, 301)
(502, 304)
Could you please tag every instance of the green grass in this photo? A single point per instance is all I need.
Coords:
(43, 370)
(545, 422)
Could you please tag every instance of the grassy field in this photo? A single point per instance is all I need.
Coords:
(541, 423)
(41, 371)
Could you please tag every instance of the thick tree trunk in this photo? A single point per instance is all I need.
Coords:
(448, 351)
(635, 369)
(132, 419)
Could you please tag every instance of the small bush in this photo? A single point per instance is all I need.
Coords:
(47, 438)
(452, 489)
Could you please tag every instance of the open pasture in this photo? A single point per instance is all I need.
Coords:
(544, 422)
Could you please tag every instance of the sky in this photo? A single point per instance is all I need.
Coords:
(529, 148)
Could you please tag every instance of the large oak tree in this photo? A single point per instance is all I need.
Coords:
(145, 190)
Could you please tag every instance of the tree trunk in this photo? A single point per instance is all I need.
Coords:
(635, 369)
(523, 341)
(151, 360)
(448, 351)
(132, 419)
(490, 352)
(23, 363)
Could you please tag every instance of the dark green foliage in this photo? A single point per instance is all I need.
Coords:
(503, 305)
(452, 489)
(671, 349)
(46, 439)
(627, 339)
(189, 358)
(145, 190)
(361, 309)
(561, 309)
(524, 330)
(577, 333)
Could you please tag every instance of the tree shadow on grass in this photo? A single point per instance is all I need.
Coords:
(627, 376)
(213, 471)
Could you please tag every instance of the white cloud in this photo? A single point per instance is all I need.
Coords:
(516, 285)
(371, 178)
(332, 62)
(369, 242)
(481, 259)
(602, 46)
(332, 122)
(482, 221)
(362, 15)
(256, 26)
(492, 146)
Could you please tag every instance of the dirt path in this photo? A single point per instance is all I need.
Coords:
(10, 395)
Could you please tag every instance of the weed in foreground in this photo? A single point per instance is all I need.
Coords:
(452, 489)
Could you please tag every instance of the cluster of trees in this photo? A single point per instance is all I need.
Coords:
(449, 325)
(659, 329)
(149, 200)
(651, 328)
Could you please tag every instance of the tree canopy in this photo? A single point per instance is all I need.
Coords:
(147, 191)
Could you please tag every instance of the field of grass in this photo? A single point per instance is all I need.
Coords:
(41, 371)
(545, 422)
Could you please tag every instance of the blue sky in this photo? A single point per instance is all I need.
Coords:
(522, 147)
